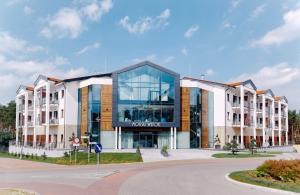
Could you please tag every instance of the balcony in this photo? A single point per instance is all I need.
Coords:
(236, 123)
(54, 102)
(259, 125)
(21, 107)
(53, 121)
(235, 105)
(30, 123)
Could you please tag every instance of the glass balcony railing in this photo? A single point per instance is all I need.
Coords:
(53, 121)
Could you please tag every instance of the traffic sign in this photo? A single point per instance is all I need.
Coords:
(98, 148)
(76, 142)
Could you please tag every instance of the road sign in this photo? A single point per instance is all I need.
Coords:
(76, 142)
(98, 148)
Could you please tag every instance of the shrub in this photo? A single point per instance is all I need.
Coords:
(31, 156)
(36, 156)
(66, 155)
(283, 170)
(27, 155)
(44, 156)
(227, 146)
(138, 151)
(164, 151)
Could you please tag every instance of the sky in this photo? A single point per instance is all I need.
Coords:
(228, 40)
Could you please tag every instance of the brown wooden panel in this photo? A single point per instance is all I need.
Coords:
(204, 134)
(106, 107)
(185, 109)
(84, 110)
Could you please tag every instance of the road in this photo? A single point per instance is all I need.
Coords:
(203, 176)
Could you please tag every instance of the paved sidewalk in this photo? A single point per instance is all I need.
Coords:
(153, 155)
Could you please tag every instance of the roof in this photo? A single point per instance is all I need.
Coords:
(87, 77)
(259, 92)
(206, 81)
(278, 98)
(146, 63)
(26, 88)
(55, 80)
(249, 81)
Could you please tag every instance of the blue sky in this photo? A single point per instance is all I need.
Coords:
(225, 40)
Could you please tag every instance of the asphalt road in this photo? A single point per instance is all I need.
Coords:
(203, 176)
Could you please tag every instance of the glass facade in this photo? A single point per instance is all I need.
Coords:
(145, 94)
(195, 117)
(94, 112)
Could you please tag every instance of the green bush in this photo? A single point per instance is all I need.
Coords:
(66, 155)
(138, 151)
(283, 170)
(44, 156)
(27, 155)
(227, 146)
(164, 151)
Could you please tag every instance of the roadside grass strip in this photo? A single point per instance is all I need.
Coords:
(250, 177)
(242, 155)
(81, 158)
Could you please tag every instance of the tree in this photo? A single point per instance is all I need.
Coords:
(294, 125)
(233, 146)
(252, 145)
(8, 116)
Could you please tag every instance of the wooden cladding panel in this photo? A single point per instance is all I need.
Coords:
(185, 108)
(204, 134)
(84, 110)
(106, 107)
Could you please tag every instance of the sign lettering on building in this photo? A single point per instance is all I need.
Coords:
(145, 124)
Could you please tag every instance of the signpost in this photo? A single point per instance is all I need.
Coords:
(98, 150)
(76, 143)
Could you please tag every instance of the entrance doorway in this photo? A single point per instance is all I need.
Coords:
(146, 140)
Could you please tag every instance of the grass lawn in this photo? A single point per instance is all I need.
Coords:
(251, 178)
(242, 155)
(14, 192)
(82, 158)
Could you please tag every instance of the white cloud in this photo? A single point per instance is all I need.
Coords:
(184, 51)
(189, 33)
(65, 23)
(168, 59)
(228, 25)
(15, 70)
(70, 22)
(282, 78)
(145, 24)
(258, 11)
(27, 10)
(151, 57)
(88, 47)
(287, 32)
(60, 60)
(95, 10)
(209, 72)
(235, 3)
(11, 46)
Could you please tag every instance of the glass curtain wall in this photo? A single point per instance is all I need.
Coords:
(94, 112)
(145, 94)
(195, 117)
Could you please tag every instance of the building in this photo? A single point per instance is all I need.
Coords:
(149, 106)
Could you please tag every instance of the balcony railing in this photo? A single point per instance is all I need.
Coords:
(236, 123)
(235, 104)
(53, 121)
(30, 123)
(55, 101)
(259, 125)
(21, 107)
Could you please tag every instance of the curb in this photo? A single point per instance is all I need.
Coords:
(266, 189)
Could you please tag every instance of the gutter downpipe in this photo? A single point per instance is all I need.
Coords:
(65, 97)
(227, 88)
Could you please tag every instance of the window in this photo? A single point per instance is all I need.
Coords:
(62, 93)
(50, 96)
(62, 113)
(245, 98)
(228, 115)
(234, 99)
(228, 98)
(56, 96)
(61, 138)
(145, 94)
(55, 114)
